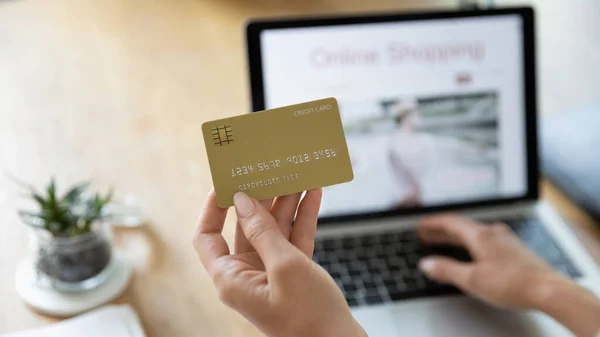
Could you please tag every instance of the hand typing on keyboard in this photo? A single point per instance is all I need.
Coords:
(270, 278)
(504, 273)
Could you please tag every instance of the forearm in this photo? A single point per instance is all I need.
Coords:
(571, 305)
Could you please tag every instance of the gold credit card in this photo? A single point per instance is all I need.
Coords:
(277, 152)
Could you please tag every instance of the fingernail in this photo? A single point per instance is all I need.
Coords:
(243, 204)
(427, 265)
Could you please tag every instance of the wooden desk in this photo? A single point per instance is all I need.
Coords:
(117, 90)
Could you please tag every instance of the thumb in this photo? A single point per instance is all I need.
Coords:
(261, 230)
(446, 270)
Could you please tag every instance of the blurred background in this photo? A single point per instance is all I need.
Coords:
(116, 91)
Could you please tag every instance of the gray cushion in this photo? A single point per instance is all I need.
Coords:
(570, 154)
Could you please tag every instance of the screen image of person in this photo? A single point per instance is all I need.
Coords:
(433, 110)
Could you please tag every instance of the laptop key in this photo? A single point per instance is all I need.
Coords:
(349, 287)
(368, 240)
(318, 245)
(354, 272)
(363, 258)
(372, 297)
(394, 268)
(390, 283)
(369, 285)
(403, 295)
(335, 274)
(373, 270)
(389, 238)
(328, 245)
(344, 260)
(348, 243)
(352, 302)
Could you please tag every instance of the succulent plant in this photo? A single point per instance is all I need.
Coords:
(68, 215)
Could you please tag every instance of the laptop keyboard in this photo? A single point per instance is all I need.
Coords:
(382, 267)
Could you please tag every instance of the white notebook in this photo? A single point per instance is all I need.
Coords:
(113, 321)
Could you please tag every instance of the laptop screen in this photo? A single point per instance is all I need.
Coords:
(433, 110)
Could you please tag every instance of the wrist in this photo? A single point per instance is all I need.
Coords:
(549, 290)
(570, 304)
(356, 330)
(351, 328)
(359, 331)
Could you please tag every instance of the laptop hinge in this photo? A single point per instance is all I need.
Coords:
(485, 214)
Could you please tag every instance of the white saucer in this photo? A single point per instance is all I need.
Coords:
(50, 302)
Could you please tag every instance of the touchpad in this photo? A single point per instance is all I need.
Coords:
(461, 316)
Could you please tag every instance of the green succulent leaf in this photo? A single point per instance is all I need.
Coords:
(75, 192)
(18, 181)
(56, 228)
(31, 218)
(51, 190)
(108, 197)
(71, 214)
(39, 199)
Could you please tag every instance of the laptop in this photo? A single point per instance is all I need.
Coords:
(439, 111)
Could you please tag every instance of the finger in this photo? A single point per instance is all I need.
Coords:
(267, 203)
(261, 230)
(305, 226)
(241, 244)
(284, 210)
(434, 236)
(208, 241)
(446, 270)
(449, 228)
(238, 285)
